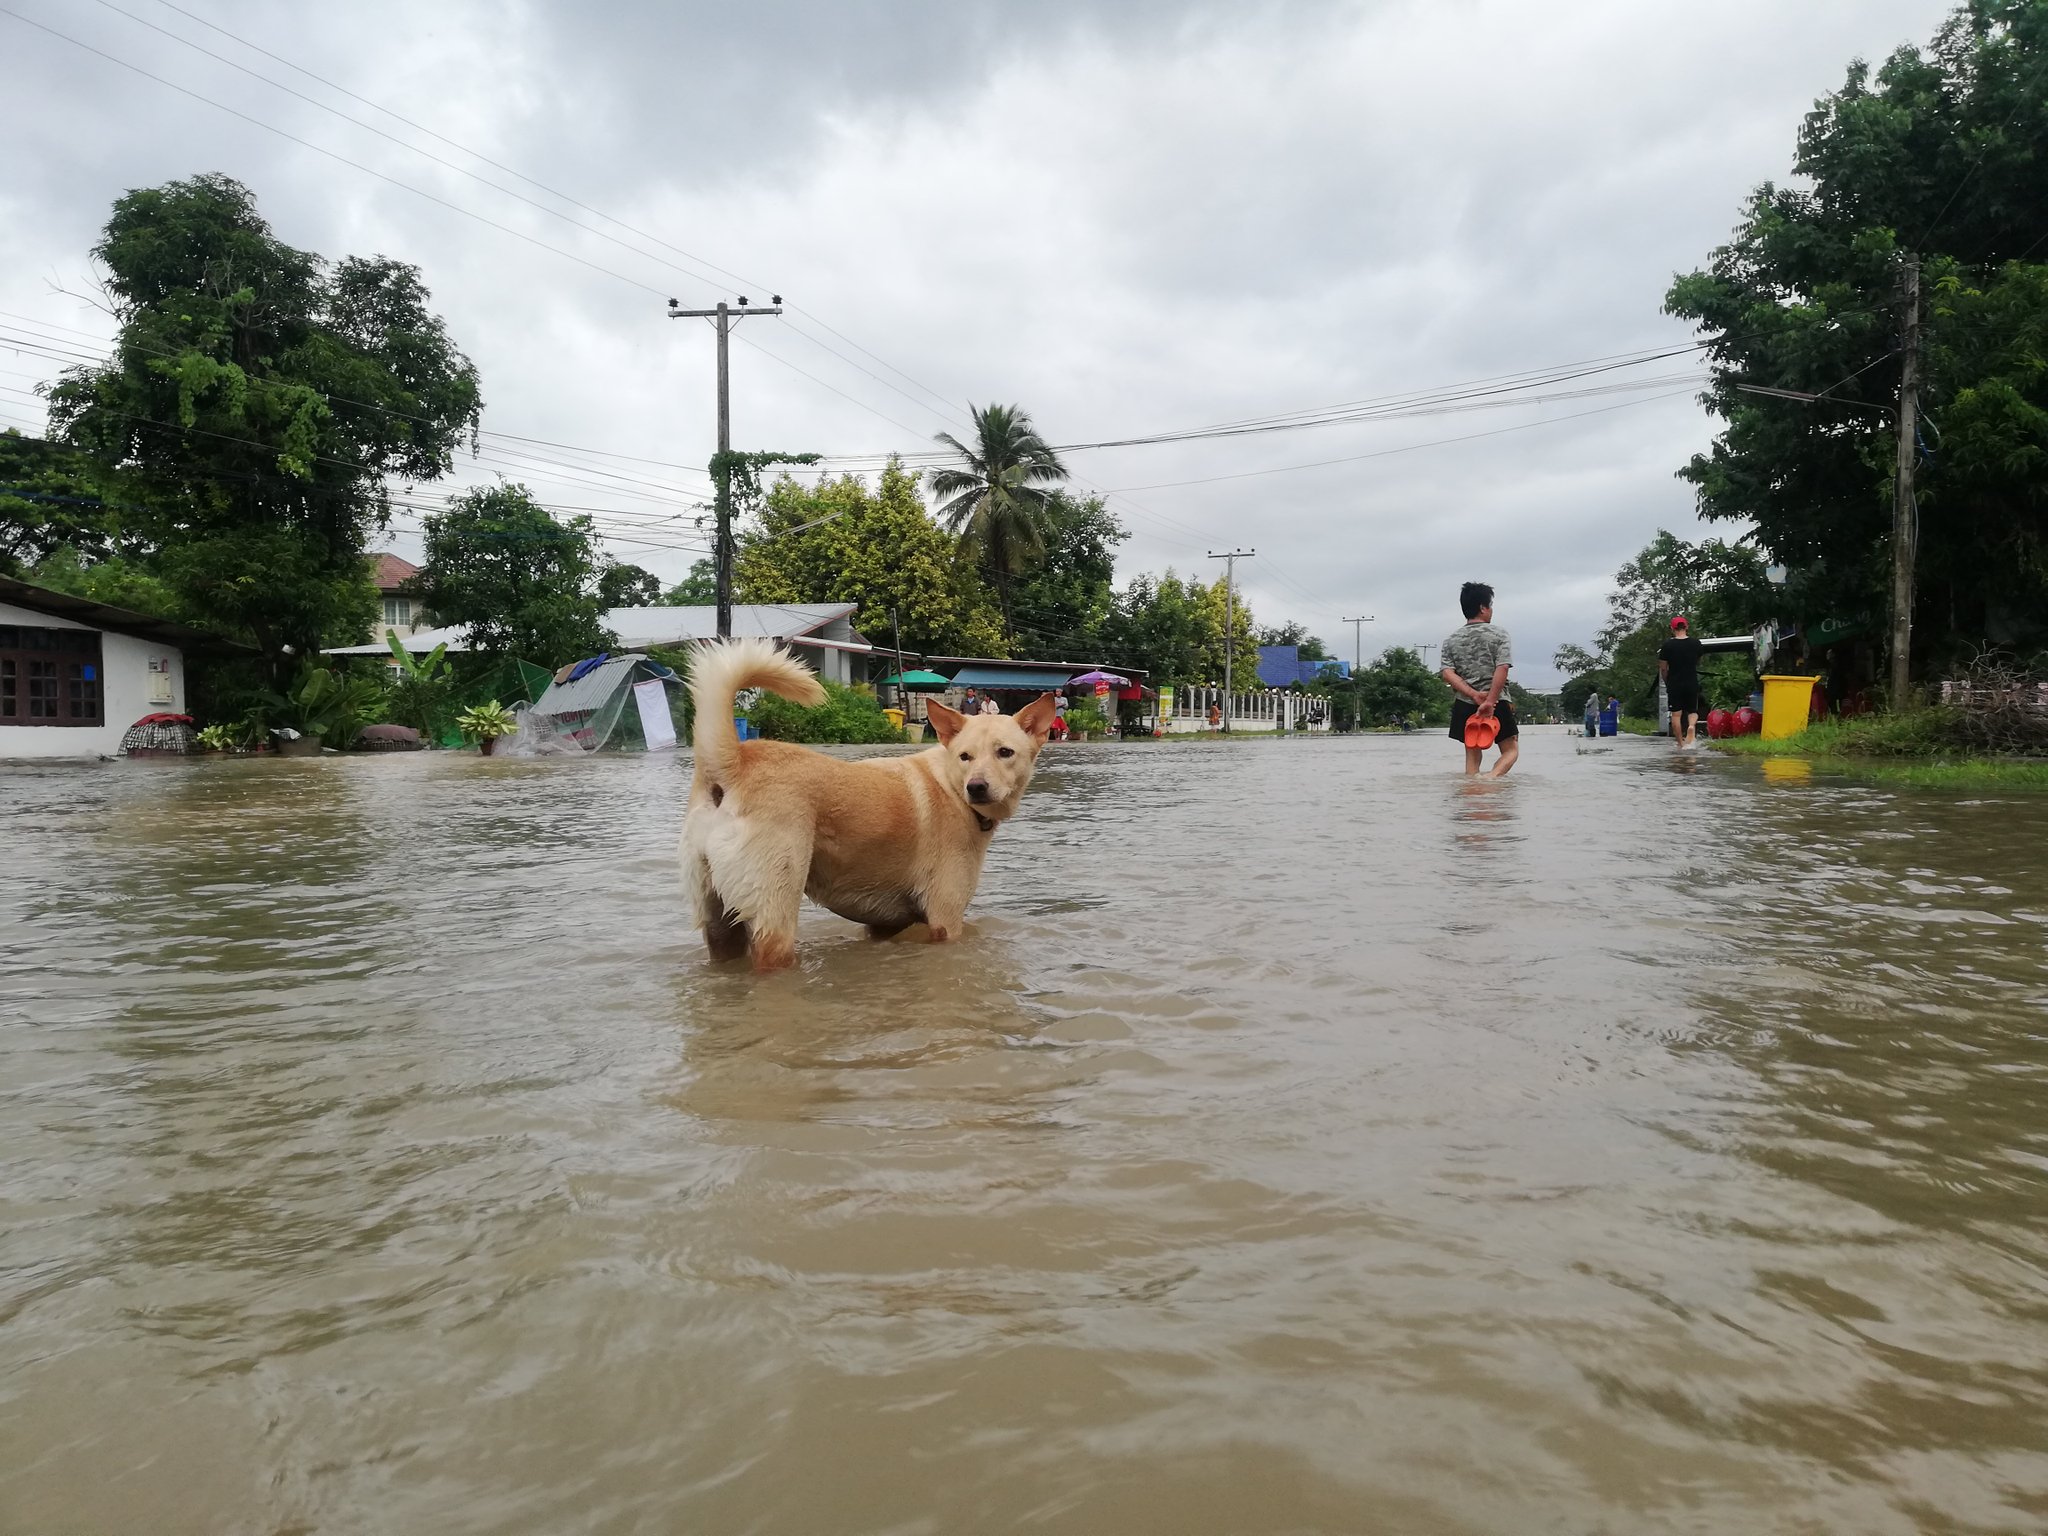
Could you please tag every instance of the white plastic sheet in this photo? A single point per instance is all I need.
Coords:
(656, 723)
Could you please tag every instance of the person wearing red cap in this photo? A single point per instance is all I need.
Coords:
(1678, 663)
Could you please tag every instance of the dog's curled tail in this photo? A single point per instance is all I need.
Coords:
(720, 669)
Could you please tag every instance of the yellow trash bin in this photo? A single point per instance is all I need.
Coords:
(895, 719)
(1788, 701)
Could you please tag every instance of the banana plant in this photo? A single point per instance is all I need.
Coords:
(419, 695)
(434, 669)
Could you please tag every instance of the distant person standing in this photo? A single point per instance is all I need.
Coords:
(1678, 663)
(1476, 662)
(990, 707)
(1593, 714)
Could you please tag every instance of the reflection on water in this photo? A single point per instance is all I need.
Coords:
(1302, 1139)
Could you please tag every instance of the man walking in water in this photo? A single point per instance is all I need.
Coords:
(1678, 663)
(1476, 662)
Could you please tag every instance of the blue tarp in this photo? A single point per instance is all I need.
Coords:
(1044, 679)
(1281, 666)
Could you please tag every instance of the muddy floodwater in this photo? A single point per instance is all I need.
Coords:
(1302, 1140)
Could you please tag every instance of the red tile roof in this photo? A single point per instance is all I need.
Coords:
(393, 572)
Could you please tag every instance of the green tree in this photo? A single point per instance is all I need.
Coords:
(1243, 656)
(1942, 152)
(1396, 686)
(257, 400)
(620, 585)
(1165, 626)
(998, 501)
(525, 584)
(1062, 602)
(1306, 645)
(50, 501)
(1720, 587)
(117, 579)
(699, 589)
(839, 542)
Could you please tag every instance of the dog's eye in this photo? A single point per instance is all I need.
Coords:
(1005, 752)
(966, 757)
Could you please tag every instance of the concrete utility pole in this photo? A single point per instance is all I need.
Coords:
(1229, 560)
(721, 545)
(1357, 666)
(1905, 518)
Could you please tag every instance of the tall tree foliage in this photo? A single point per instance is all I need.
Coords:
(525, 584)
(699, 589)
(841, 542)
(1942, 152)
(256, 400)
(1173, 629)
(622, 585)
(999, 499)
(1720, 587)
(50, 500)
(1396, 686)
(1061, 604)
(1307, 646)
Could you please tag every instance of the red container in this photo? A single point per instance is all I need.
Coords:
(1718, 724)
(1747, 721)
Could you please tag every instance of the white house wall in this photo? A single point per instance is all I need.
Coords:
(125, 693)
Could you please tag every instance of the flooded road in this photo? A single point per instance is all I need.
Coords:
(1302, 1140)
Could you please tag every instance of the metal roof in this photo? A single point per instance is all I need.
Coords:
(122, 621)
(639, 628)
(1064, 668)
(1047, 678)
(592, 689)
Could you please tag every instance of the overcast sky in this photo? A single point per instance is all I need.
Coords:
(1125, 217)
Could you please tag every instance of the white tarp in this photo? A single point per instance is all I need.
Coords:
(656, 723)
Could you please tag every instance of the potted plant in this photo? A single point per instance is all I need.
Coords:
(485, 723)
(1086, 719)
(301, 715)
(322, 708)
(215, 740)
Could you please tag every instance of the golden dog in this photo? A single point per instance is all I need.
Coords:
(887, 841)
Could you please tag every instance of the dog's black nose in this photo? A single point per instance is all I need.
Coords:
(978, 793)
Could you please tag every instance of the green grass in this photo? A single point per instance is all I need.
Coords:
(1917, 747)
(1984, 773)
(1927, 734)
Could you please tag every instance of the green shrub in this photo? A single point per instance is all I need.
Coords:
(487, 721)
(1915, 733)
(1087, 716)
(848, 716)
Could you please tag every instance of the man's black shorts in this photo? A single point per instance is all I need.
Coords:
(1684, 698)
(1503, 711)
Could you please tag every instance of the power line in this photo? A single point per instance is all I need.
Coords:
(1281, 469)
(517, 234)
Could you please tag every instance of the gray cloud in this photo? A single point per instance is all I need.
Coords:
(1126, 218)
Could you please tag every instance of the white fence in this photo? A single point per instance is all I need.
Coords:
(1263, 709)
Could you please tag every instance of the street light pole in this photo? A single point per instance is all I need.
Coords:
(1229, 559)
(721, 544)
(1357, 666)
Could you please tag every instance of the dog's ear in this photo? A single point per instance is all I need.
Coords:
(1036, 717)
(945, 721)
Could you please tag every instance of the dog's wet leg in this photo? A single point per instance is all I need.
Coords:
(774, 951)
(724, 934)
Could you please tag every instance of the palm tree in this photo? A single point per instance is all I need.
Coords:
(996, 502)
